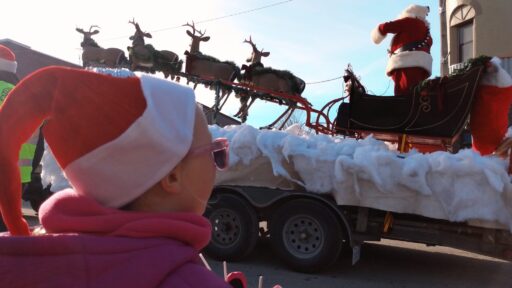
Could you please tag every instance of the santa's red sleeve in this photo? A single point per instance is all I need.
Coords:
(400, 25)
(408, 25)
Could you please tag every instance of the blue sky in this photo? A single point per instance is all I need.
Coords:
(315, 40)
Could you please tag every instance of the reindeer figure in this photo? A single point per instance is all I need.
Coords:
(255, 60)
(138, 37)
(146, 58)
(141, 56)
(94, 55)
(196, 39)
(259, 76)
(208, 68)
(256, 54)
(88, 41)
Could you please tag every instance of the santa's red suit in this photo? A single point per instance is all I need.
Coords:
(410, 61)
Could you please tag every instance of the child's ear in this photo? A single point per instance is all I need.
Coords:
(171, 182)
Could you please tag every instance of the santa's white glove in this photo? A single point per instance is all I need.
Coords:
(377, 37)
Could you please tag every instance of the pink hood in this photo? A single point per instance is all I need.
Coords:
(114, 248)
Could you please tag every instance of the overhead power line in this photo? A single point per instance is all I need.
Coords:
(323, 81)
(210, 19)
(229, 15)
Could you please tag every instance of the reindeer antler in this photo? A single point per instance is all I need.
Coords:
(254, 48)
(93, 26)
(193, 26)
(137, 27)
(256, 54)
(88, 33)
(250, 42)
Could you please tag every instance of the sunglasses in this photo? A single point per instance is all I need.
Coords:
(219, 149)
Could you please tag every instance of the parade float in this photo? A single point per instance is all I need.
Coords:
(380, 168)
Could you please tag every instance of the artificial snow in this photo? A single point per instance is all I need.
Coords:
(455, 187)
(369, 173)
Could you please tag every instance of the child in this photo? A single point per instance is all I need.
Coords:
(139, 156)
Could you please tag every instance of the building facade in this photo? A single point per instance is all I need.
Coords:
(30, 60)
(470, 28)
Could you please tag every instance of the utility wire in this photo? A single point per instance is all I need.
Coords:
(210, 19)
(227, 16)
(323, 81)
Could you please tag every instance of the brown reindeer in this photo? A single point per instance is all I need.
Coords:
(196, 39)
(94, 55)
(146, 58)
(268, 79)
(207, 67)
(256, 54)
(255, 60)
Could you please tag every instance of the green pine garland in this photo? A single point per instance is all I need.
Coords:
(481, 60)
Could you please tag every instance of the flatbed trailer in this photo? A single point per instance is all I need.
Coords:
(308, 231)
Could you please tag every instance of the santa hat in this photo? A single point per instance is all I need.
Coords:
(489, 113)
(415, 11)
(7, 60)
(114, 137)
(412, 11)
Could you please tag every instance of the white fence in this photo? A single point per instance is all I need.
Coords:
(506, 63)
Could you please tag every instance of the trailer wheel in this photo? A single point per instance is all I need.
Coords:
(234, 228)
(306, 235)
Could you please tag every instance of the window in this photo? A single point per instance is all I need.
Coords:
(462, 14)
(465, 41)
(461, 23)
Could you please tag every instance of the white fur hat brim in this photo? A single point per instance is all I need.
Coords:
(495, 75)
(9, 66)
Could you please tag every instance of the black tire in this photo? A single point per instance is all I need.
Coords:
(306, 235)
(235, 228)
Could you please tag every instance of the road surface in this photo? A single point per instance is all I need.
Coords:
(386, 264)
(383, 264)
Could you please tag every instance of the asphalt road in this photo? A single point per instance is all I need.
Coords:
(386, 264)
(382, 264)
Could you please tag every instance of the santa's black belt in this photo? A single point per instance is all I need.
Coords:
(412, 46)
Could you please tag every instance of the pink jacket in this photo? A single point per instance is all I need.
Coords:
(88, 245)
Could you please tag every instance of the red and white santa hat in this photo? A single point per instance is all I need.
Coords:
(496, 75)
(113, 137)
(7, 60)
(415, 11)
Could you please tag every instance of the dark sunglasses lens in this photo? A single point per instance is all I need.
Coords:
(220, 159)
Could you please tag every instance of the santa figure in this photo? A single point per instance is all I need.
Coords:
(409, 61)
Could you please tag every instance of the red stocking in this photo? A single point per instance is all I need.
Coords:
(489, 117)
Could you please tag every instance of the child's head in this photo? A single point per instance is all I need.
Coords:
(188, 186)
(133, 141)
